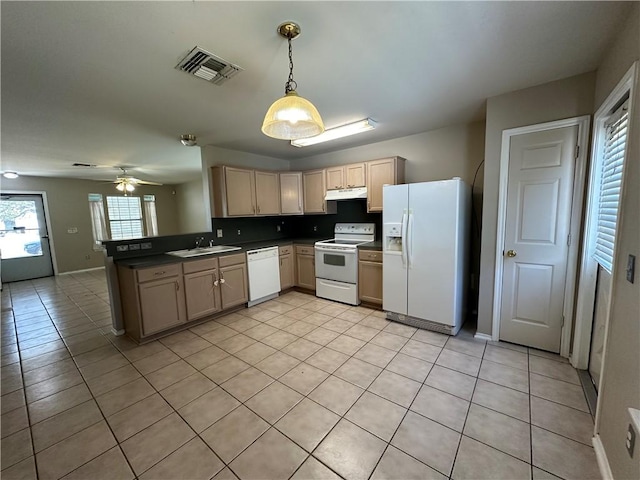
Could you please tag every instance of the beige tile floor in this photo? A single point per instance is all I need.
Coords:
(294, 388)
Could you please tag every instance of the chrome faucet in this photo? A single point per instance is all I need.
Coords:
(199, 241)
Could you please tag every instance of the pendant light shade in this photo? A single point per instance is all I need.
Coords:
(291, 117)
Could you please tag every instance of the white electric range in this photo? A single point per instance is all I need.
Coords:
(337, 262)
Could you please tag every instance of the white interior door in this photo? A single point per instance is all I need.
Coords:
(538, 219)
(24, 242)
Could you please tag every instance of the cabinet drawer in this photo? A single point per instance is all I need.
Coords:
(286, 250)
(200, 265)
(232, 259)
(304, 250)
(155, 273)
(370, 255)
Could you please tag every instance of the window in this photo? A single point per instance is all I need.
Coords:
(125, 217)
(150, 218)
(98, 222)
(611, 165)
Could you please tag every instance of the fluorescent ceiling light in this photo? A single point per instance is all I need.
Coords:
(337, 132)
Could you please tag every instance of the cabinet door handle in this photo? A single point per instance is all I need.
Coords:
(222, 280)
(323, 206)
(215, 283)
(258, 208)
(160, 273)
(177, 286)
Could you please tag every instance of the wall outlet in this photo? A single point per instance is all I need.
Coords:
(134, 246)
(238, 231)
(87, 257)
(278, 228)
(315, 228)
(631, 440)
(631, 268)
(219, 233)
(72, 230)
(122, 248)
(145, 246)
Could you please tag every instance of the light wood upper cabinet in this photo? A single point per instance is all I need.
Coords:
(355, 175)
(267, 193)
(291, 193)
(386, 171)
(314, 188)
(348, 176)
(335, 178)
(234, 192)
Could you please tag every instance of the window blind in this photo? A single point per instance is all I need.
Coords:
(125, 217)
(610, 183)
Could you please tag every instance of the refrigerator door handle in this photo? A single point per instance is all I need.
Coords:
(404, 239)
(410, 240)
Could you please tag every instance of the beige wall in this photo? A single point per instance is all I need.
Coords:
(68, 205)
(570, 97)
(190, 204)
(454, 151)
(621, 380)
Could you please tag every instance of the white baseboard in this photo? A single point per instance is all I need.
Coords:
(483, 336)
(81, 271)
(601, 457)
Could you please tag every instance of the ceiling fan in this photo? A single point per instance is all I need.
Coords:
(127, 184)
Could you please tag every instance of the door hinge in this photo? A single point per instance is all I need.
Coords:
(569, 240)
(577, 151)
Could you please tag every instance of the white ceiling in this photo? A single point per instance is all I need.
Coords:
(94, 82)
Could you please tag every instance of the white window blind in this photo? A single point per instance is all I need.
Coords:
(98, 222)
(610, 182)
(151, 219)
(125, 217)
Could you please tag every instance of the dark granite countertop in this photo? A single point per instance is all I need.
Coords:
(164, 259)
(377, 245)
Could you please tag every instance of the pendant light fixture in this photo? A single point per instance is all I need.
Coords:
(291, 117)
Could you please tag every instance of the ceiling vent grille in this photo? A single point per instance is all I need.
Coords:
(207, 66)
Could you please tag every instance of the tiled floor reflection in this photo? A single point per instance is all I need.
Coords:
(297, 388)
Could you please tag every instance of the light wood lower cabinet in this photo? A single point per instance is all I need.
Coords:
(370, 276)
(286, 267)
(234, 288)
(157, 299)
(305, 267)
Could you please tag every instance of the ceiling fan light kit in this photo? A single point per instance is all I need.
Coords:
(291, 117)
(341, 131)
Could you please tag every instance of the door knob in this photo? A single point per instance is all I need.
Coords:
(511, 253)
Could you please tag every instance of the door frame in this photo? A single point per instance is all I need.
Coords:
(586, 294)
(579, 175)
(47, 220)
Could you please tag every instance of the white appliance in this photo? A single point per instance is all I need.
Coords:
(346, 193)
(337, 262)
(264, 274)
(425, 245)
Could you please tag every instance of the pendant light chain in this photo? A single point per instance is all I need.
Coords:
(291, 84)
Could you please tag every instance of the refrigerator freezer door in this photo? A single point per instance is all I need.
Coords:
(394, 272)
(434, 231)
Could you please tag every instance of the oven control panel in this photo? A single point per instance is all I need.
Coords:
(356, 228)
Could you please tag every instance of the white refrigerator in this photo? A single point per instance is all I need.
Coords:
(425, 253)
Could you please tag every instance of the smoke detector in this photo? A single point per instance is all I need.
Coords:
(207, 66)
(188, 140)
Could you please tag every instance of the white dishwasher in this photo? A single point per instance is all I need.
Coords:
(264, 274)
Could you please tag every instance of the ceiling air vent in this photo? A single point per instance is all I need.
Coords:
(207, 66)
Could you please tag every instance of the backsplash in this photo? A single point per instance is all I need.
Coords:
(251, 229)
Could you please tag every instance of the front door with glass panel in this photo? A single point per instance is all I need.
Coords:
(24, 241)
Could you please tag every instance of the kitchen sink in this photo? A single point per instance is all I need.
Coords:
(197, 252)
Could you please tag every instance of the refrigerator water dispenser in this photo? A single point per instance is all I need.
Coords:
(393, 237)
